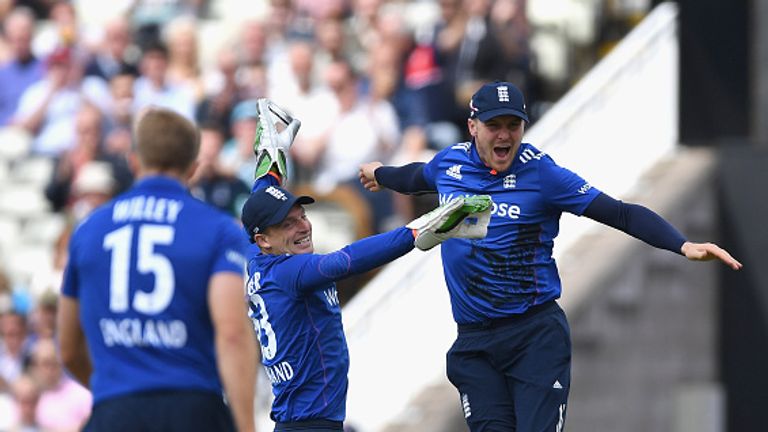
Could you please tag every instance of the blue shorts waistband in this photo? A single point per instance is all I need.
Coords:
(500, 322)
(309, 425)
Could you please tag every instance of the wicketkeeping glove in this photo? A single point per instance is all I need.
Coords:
(461, 217)
(271, 147)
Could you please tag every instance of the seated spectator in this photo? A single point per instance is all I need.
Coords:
(64, 404)
(63, 30)
(48, 108)
(42, 319)
(223, 92)
(14, 346)
(153, 88)
(88, 149)
(183, 55)
(302, 95)
(25, 393)
(364, 129)
(113, 55)
(211, 182)
(149, 17)
(252, 57)
(22, 69)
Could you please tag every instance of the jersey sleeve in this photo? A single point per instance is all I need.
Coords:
(270, 179)
(563, 189)
(231, 248)
(432, 168)
(407, 179)
(306, 272)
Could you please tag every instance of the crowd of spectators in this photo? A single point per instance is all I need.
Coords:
(366, 82)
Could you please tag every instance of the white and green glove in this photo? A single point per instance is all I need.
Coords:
(461, 217)
(271, 148)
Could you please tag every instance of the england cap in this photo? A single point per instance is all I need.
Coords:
(269, 206)
(495, 99)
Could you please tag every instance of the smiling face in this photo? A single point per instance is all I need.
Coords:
(497, 140)
(291, 236)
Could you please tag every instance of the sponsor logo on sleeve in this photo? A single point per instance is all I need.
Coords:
(454, 171)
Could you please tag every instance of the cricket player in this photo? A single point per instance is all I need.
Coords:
(152, 317)
(511, 360)
(294, 303)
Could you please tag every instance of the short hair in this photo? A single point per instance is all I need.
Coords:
(155, 47)
(166, 140)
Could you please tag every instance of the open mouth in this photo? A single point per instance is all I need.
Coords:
(502, 152)
(303, 241)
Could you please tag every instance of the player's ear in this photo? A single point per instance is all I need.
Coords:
(262, 241)
(471, 126)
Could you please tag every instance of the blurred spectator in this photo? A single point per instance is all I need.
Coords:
(114, 55)
(48, 108)
(330, 37)
(64, 29)
(285, 24)
(363, 27)
(252, 58)
(41, 8)
(364, 130)
(509, 23)
(25, 392)
(211, 182)
(224, 91)
(22, 69)
(480, 57)
(116, 101)
(6, 297)
(322, 9)
(64, 404)
(94, 186)
(148, 17)
(180, 36)
(153, 87)
(305, 98)
(75, 173)
(14, 346)
(42, 319)
(237, 155)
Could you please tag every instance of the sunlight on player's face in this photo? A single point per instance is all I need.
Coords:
(291, 236)
(497, 140)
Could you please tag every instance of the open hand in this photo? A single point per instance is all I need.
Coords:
(708, 252)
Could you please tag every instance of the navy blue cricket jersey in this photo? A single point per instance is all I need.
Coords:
(139, 267)
(296, 314)
(512, 268)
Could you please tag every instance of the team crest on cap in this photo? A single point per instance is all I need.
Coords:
(503, 93)
(275, 192)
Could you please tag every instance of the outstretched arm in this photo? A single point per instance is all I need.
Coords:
(461, 217)
(646, 225)
(406, 179)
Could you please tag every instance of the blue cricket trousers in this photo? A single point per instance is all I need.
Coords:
(162, 411)
(513, 374)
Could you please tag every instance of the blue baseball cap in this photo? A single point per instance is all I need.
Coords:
(495, 99)
(269, 206)
(247, 109)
